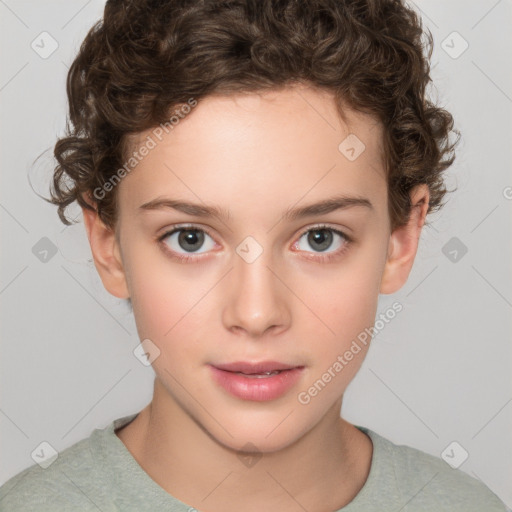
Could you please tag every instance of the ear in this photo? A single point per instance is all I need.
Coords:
(106, 253)
(403, 243)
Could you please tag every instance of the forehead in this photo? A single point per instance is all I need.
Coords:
(265, 148)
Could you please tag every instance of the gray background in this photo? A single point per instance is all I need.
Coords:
(439, 372)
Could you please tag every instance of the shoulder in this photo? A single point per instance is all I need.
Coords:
(429, 483)
(69, 483)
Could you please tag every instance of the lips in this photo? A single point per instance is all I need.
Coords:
(259, 381)
(252, 368)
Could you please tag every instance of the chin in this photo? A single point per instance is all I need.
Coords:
(264, 435)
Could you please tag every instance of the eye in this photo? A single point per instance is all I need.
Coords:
(321, 238)
(189, 239)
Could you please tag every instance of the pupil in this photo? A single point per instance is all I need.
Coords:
(319, 237)
(192, 238)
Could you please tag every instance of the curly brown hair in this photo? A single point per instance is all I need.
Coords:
(145, 58)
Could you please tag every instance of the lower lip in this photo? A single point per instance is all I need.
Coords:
(257, 389)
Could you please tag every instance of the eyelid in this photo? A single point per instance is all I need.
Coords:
(321, 225)
(187, 226)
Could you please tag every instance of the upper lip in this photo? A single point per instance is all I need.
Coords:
(258, 367)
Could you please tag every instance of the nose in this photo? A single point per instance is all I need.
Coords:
(256, 300)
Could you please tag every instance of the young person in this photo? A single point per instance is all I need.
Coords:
(252, 174)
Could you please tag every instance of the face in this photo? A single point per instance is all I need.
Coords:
(265, 278)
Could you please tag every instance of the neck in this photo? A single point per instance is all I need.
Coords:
(328, 464)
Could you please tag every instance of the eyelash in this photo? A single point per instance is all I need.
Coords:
(327, 258)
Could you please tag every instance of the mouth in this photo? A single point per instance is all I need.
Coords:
(257, 368)
(261, 375)
(260, 381)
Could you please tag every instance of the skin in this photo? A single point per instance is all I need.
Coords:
(256, 155)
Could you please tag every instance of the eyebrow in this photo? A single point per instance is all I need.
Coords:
(320, 208)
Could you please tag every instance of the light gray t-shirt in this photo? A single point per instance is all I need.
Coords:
(100, 474)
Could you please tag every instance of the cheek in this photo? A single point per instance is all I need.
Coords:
(165, 314)
(166, 307)
(346, 307)
(172, 304)
(344, 295)
(162, 291)
(345, 298)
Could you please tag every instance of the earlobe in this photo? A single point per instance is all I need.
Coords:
(403, 243)
(106, 254)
